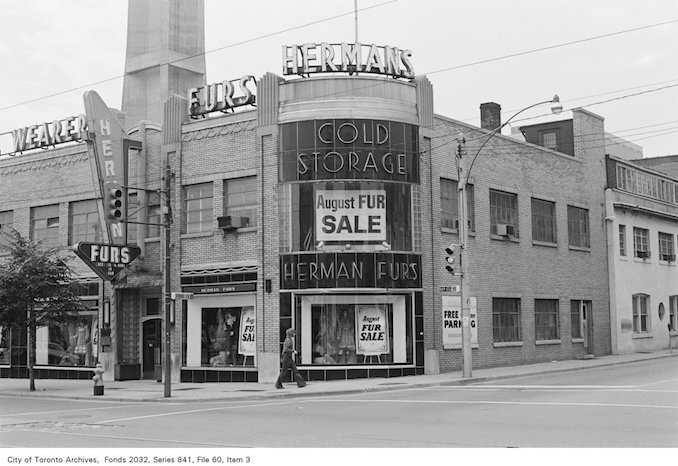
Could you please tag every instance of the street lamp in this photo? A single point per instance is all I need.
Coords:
(463, 176)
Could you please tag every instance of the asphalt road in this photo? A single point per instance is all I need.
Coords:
(628, 405)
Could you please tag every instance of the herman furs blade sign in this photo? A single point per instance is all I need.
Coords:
(349, 58)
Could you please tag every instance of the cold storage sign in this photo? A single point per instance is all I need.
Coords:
(347, 216)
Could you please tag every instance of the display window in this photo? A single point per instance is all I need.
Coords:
(356, 330)
(228, 336)
(72, 344)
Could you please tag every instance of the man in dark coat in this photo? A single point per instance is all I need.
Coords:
(287, 358)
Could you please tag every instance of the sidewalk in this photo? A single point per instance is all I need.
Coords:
(147, 390)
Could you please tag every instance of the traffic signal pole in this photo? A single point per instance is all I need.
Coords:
(167, 287)
(464, 277)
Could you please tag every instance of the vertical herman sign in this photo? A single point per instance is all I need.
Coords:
(108, 157)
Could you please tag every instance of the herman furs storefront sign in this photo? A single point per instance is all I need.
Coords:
(350, 270)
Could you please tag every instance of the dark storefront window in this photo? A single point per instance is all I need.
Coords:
(227, 336)
(506, 320)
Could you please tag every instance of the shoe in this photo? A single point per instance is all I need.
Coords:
(301, 386)
(279, 386)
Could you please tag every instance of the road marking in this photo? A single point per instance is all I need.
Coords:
(192, 411)
(564, 388)
(70, 410)
(518, 403)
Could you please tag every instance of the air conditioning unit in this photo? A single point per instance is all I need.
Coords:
(643, 254)
(231, 223)
(505, 230)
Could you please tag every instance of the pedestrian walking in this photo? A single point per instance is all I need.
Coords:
(287, 358)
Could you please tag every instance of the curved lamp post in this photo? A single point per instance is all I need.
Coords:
(463, 176)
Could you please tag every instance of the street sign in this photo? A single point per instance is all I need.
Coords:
(177, 295)
(106, 260)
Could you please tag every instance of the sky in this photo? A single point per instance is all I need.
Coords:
(616, 58)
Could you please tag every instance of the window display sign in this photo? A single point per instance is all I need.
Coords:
(372, 330)
(247, 342)
(350, 215)
(452, 322)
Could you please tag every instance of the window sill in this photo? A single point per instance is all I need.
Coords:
(577, 340)
(153, 239)
(197, 235)
(507, 239)
(547, 342)
(544, 244)
(639, 336)
(502, 344)
(667, 263)
(455, 231)
(579, 248)
(640, 260)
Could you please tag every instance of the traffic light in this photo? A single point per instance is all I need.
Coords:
(453, 258)
(114, 203)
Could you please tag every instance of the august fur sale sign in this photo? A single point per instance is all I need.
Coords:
(351, 215)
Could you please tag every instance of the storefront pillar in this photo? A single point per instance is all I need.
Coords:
(268, 365)
(432, 362)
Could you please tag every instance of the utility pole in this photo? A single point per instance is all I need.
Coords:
(167, 285)
(464, 297)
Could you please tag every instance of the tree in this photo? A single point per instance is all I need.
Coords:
(36, 289)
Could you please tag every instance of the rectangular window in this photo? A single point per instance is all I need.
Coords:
(673, 313)
(640, 318)
(198, 215)
(546, 319)
(221, 329)
(506, 319)
(666, 250)
(84, 222)
(576, 318)
(6, 226)
(549, 139)
(503, 213)
(578, 227)
(622, 240)
(45, 225)
(641, 245)
(449, 205)
(543, 221)
(240, 200)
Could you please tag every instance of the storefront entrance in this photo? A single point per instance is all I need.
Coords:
(151, 347)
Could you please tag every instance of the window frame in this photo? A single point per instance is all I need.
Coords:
(578, 227)
(90, 214)
(6, 225)
(673, 313)
(508, 213)
(667, 251)
(506, 309)
(249, 197)
(641, 242)
(449, 218)
(544, 233)
(49, 234)
(641, 313)
(194, 194)
(546, 319)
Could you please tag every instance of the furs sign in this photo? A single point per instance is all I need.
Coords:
(220, 97)
(351, 58)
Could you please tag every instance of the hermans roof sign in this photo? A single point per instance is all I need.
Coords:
(350, 58)
(106, 260)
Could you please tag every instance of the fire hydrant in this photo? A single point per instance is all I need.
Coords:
(98, 380)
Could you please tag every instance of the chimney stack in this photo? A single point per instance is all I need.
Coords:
(490, 116)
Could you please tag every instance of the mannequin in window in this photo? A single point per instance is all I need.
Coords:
(231, 338)
(345, 335)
